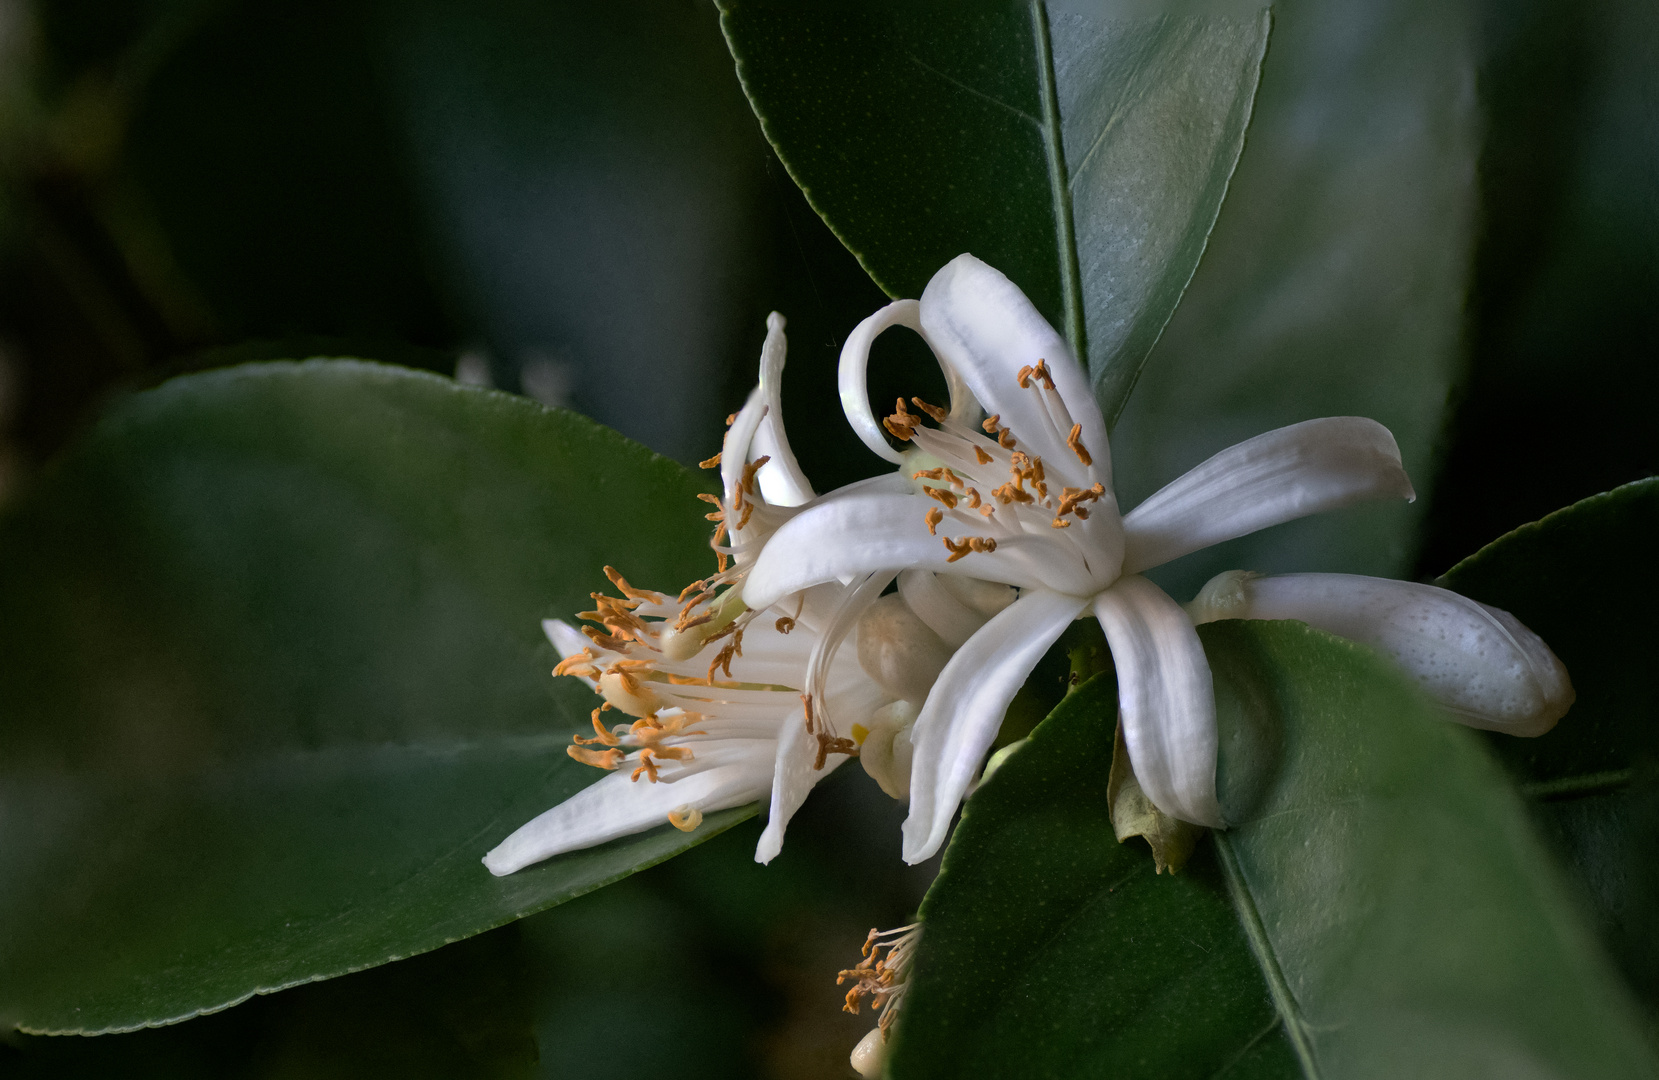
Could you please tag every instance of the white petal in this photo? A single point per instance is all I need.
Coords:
(1477, 661)
(565, 638)
(836, 538)
(940, 608)
(1282, 475)
(781, 481)
(965, 709)
(793, 778)
(983, 326)
(855, 359)
(1165, 697)
(616, 806)
(734, 450)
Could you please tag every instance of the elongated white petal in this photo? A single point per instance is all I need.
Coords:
(982, 325)
(855, 360)
(734, 450)
(616, 806)
(1477, 661)
(965, 709)
(782, 483)
(1282, 475)
(838, 538)
(1165, 697)
(565, 638)
(793, 778)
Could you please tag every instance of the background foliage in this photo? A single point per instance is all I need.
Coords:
(1446, 216)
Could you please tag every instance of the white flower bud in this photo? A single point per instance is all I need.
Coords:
(885, 749)
(898, 651)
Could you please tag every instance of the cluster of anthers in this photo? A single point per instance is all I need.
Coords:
(1025, 501)
(882, 973)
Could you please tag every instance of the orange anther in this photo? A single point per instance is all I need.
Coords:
(599, 759)
(710, 463)
(1075, 441)
(933, 518)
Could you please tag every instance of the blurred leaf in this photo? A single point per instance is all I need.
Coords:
(455, 1014)
(272, 681)
(1581, 579)
(1335, 279)
(1381, 909)
(1083, 156)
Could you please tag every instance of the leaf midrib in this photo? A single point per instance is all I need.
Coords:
(1284, 1001)
(1071, 275)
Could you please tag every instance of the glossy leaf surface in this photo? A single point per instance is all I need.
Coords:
(1335, 277)
(1381, 900)
(1084, 156)
(272, 681)
(1579, 579)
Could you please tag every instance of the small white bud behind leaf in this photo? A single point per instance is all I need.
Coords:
(1476, 661)
(885, 749)
(869, 1055)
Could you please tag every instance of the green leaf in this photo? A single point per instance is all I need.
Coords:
(1335, 279)
(1083, 156)
(1380, 909)
(272, 681)
(1582, 579)
(460, 1013)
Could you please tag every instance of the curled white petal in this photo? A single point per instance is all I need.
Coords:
(855, 360)
(965, 709)
(1276, 477)
(782, 483)
(733, 773)
(982, 326)
(1477, 661)
(943, 611)
(1165, 697)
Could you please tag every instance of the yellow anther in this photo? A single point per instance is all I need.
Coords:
(1075, 441)
(685, 818)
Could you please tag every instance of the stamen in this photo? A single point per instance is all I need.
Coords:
(685, 818)
(1040, 372)
(981, 456)
(710, 463)
(1060, 523)
(934, 411)
(602, 734)
(943, 495)
(828, 745)
(903, 423)
(785, 624)
(961, 548)
(933, 518)
(599, 759)
(1075, 441)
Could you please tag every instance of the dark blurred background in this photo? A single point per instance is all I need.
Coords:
(574, 202)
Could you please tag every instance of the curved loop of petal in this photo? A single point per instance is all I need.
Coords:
(855, 360)
(962, 714)
(793, 778)
(740, 437)
(1165, 697)
(616, 806)
(1477, 661)
(836, 538)
(942, 610)
(981, 324)
(1279, 476)
(782, 483)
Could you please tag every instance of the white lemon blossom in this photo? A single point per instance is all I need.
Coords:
(723, 695)
(1025, 500)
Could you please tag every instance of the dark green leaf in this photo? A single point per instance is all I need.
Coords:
(272, 681)
(1083, 156)
(1380, 909)
(1334, 281)
(460, 1013)
(1580, 579)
